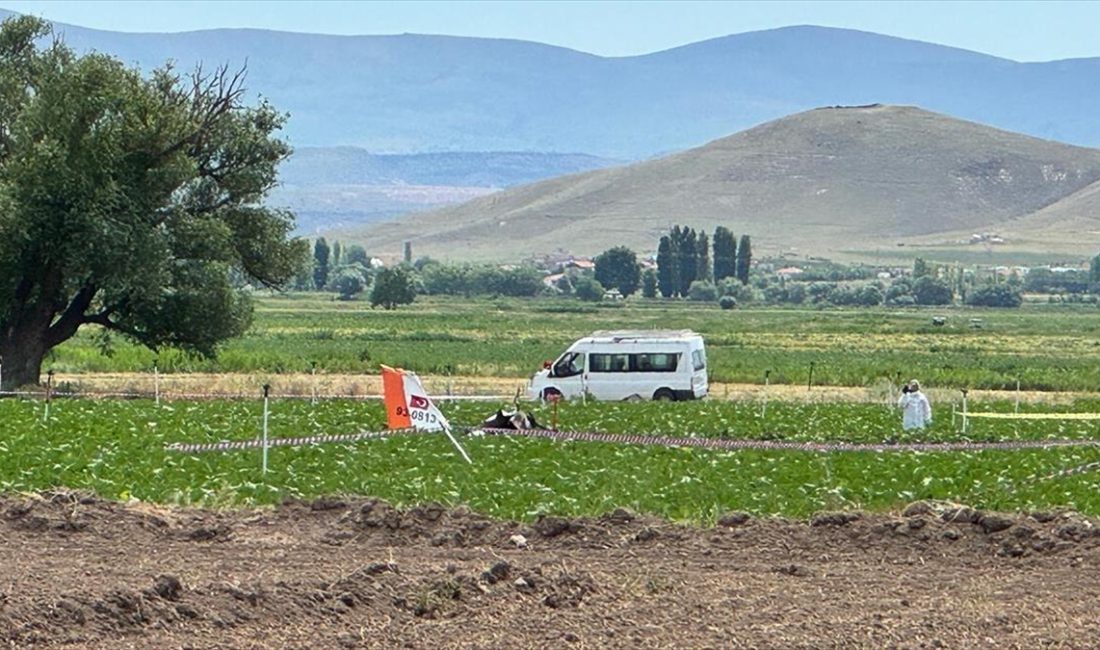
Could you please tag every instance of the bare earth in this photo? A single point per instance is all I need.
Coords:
(78, 572)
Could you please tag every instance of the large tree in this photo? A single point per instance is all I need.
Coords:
(618, 268)
(744, 259)
(684, 243)
(127, 200)
(392, 287)
(725, 254)
(703, 270)
(322, 263)
(668, 268)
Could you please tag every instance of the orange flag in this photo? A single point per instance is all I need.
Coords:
(393, 394)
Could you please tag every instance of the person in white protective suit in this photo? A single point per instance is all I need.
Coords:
(916, 411)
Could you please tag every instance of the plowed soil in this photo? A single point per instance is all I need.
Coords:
(78, 572)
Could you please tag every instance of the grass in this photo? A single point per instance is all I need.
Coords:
(1044, 347)
(116, 448)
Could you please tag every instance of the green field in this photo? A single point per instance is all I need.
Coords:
(117, 449)
(1043, 347)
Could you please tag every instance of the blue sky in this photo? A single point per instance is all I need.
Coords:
(1023, 31)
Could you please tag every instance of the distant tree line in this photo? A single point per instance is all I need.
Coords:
(684, 257)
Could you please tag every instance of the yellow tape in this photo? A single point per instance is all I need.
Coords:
(1036, 416)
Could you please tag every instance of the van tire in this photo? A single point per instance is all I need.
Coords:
(664, 395)
(550, 394)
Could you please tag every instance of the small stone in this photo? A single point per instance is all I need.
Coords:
(517, 540)
(917, 508)
(731, 519)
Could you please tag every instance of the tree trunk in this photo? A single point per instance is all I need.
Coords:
(21, 354)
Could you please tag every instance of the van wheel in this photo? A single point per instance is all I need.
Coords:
(664, 395)
(551, 395)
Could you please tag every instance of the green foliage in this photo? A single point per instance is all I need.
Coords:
(668, 268)
(928, 290)
(336, 259)
(117, 449)
(588, 289)
(472, 280)
(128, 200)
(725, 254)
(565, 284)
(744, 259)
(321, 254)
(731, 286)
(349, 281)
(727, 302)
(1041, 280)
(995, 296)
(702, 291)
(618, 268)
(649, 284)
(685, 252)
(703, 270)
(921, 268)
(356, 254)
(393, 286)
(856, 295)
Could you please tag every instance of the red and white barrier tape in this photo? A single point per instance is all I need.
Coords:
(234, 445)
(652, 440)
(786, 445)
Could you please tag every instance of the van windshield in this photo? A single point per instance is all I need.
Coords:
(699, 359)
(570, 363)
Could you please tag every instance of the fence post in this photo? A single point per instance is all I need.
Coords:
(964, 391)
(313, 379)
(1, 375)
(810, 378)
(49, 396)
(267, 388)
(156, 384)
(1017, 396)
(767, 382)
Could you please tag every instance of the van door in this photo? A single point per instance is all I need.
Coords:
(567, 374)
(609, 375)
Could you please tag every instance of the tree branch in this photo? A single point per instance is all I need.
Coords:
(73, 317)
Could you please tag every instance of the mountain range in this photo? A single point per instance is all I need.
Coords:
(414, 93)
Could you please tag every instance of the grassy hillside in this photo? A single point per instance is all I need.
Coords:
(823, 182)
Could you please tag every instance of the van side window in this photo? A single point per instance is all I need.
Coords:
(569, 364)
(607, 362)
(663, 362)
(635, 362)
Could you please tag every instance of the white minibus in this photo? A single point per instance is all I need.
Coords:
(617, 365)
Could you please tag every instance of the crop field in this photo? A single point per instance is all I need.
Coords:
(1043, 347)
(117, 449)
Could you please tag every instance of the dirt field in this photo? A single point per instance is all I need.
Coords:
(78, 572)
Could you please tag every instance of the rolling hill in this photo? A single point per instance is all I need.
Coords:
(831, 181)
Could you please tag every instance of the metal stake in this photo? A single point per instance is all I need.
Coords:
(267, 387)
